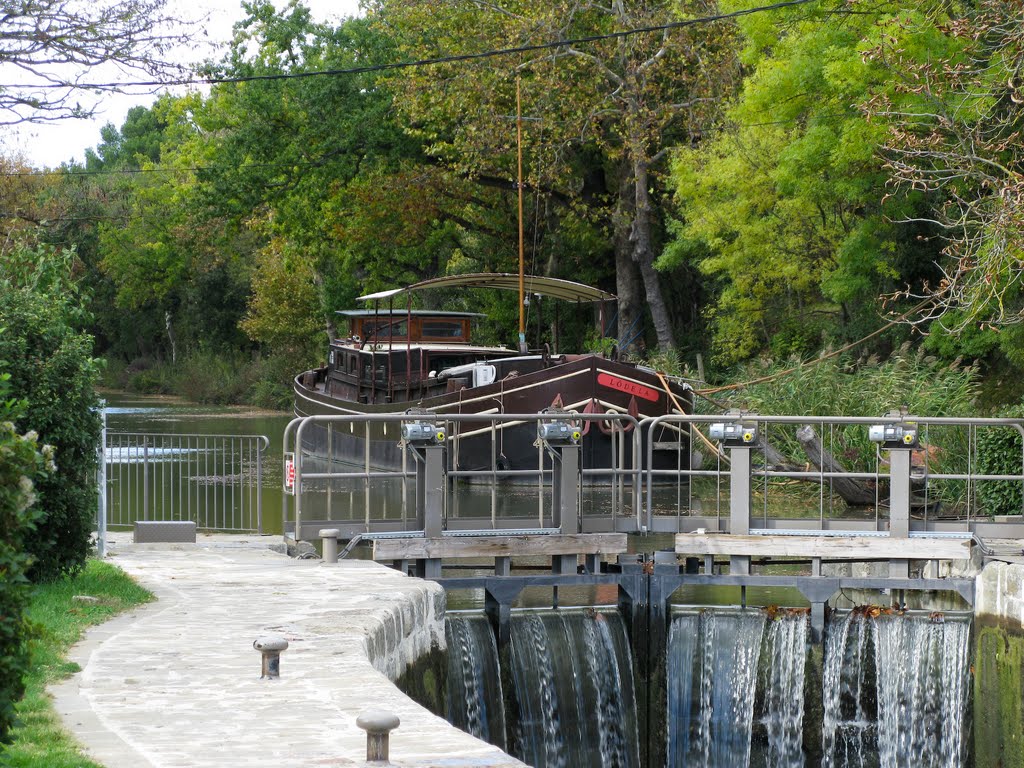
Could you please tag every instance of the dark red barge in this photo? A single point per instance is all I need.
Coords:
(396, 360)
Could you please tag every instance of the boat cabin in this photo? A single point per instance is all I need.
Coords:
(389, 326)
(396, 355)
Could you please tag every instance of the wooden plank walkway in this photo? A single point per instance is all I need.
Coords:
(499, 546)
(854, 548)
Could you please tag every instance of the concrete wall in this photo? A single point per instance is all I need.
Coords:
(999, 667)
(999, 593)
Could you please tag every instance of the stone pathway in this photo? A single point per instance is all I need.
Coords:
(177, 683)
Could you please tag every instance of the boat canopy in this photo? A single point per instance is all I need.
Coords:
(552, 287)
(400, 313)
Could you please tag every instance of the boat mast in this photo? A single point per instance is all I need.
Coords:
(519, 186)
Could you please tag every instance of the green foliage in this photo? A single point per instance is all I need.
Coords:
(1001, 452)
(666, 361)
(787, 209)
(40, 740)
(840, 386)
(221, 378)
(51, 369)
(21, 465)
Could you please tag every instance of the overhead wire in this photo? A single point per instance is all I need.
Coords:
(451, 59)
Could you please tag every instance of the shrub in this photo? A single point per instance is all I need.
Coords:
(999, 453)
(21, 463)
(845, 387)
(51, 369)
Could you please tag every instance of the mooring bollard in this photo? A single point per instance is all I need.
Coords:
(330, 540)
(270, 648)
(378, 724)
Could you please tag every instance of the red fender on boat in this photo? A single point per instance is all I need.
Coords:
(633, 409)
(591, 407)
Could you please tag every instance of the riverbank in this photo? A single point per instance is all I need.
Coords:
(177, 683)
(208, 378)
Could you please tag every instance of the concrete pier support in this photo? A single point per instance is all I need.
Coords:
(564, 488)
(899, 506)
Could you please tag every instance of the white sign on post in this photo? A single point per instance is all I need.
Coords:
(289, 473)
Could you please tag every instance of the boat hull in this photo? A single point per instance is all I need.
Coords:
(584, 383)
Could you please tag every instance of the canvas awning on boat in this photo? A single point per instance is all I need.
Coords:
(552, 287)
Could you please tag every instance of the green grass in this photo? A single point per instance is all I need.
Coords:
(40, 740)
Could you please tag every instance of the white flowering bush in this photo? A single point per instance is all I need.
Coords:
(22, 463)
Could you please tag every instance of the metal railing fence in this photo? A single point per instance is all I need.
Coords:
(946, 469)
(212, 480)
(359, 491)
(663, 474)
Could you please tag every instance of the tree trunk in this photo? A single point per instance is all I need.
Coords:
(170, 336)
(643, 251)
(627, 277)
(857, 493)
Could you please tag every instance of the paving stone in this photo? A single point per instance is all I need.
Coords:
(177, 682)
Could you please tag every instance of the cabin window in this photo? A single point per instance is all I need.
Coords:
(353, 363)
(380, 330)
(331, 358)
(442, 329)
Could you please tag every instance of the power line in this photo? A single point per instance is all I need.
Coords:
(493, 53)
(143, 171)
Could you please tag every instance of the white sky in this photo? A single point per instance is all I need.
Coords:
(50, 145)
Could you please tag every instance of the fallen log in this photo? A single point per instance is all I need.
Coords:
(855, 492)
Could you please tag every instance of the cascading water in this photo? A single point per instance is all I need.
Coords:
(573, 680)
(571, 699)
(907, 705)
(712, 681)
(784, 658)
(475, 702)
(895, 689)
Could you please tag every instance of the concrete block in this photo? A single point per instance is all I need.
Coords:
(159, 531)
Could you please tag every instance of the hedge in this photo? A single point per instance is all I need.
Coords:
(21, 464)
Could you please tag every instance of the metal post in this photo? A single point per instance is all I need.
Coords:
(145, 478)
(899, 506)
(270, 649)
(330, 469)
(101, 517)
(259, 486)
(565, 489)
(739, 503)
(430, 491)
(378, 725)
(297, 487)
(329, 537)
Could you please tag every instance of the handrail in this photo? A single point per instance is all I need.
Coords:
(925, 474)
(296, 430)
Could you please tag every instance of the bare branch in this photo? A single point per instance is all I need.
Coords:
(56, 42)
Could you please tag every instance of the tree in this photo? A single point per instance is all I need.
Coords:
(318, 169)
(786, 208)
(64, 49)
(21, 464)
(608, 110)
(956, 132)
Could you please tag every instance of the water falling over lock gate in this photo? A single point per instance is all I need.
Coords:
(742, 688)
